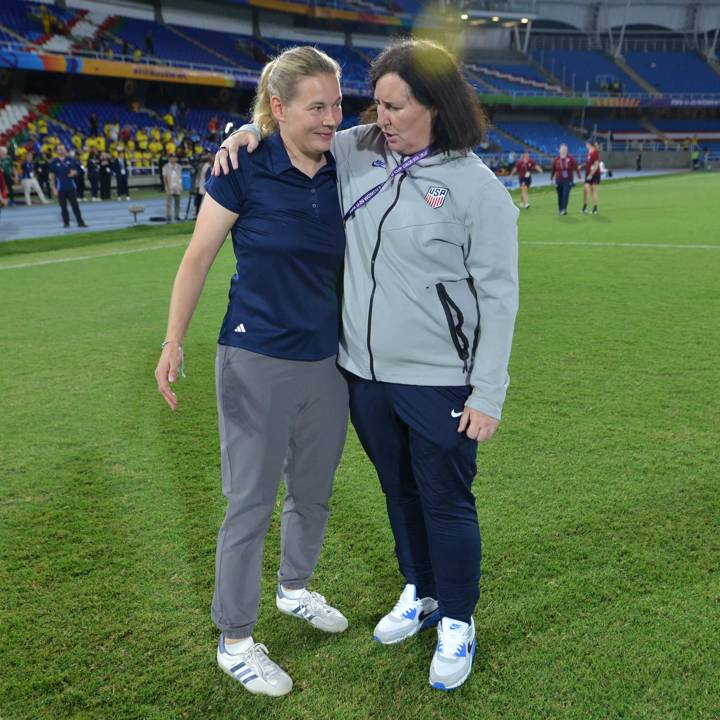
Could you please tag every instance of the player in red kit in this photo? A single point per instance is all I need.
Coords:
(562, 174)
(524, 168)
(592, 177)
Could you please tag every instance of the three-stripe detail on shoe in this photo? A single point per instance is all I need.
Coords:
(246, 675)
(302, 610)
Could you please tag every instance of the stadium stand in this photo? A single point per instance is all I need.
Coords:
(675, 72)
(582, 70)
(555, 68)
(544, 136)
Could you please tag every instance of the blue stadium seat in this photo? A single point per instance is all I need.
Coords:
(675, 72)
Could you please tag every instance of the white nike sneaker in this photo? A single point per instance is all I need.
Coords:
(454, 654)
(407, 618)
(314, 608)
(254, 670)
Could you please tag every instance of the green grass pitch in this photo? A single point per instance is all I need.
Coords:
(598, 498)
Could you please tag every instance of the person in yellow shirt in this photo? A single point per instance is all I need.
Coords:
(137, 55)
(155, 133)
(42, 126)
(169, 120)
(77, 141)
(100, 143)
(167, 136)
(170, 148)
(32, 128)
(131, 145)
(156, 148)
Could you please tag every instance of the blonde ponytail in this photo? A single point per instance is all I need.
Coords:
(262, 116)
(280, 77)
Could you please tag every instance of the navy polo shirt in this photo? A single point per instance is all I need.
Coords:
(289, 243)
(61, 169)
(28, 170)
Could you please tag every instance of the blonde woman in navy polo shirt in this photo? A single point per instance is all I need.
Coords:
(282, 403)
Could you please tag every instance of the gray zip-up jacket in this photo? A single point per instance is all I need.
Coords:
(431, 282)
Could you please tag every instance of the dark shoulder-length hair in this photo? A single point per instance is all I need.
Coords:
(436, 82)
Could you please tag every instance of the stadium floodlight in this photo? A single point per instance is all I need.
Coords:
(495, 15)
(464, 16)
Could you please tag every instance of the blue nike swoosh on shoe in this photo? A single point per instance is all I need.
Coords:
(428, 619)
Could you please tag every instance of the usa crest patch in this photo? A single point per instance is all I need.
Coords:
(435, 196)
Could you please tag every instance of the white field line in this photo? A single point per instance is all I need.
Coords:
(625, 245)
(522, 242)
(91, 257)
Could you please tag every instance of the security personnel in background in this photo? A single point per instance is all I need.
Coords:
(63, 171)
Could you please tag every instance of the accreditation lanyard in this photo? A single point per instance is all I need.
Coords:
(404, 166)
(564, 163)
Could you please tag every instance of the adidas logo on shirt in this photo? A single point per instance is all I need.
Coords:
(240, 328)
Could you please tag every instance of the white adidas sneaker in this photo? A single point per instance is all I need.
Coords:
(409, 616)
(254, 670)
(313, 608)
(454, 654)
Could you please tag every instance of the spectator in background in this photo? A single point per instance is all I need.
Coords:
(106, 174)
(592, 177)
(149, 45)
(172, 183)
(121, 170)
(93, 172)
(63, 171)
(212, 128)
(169, 120)
(7, 168)
(524, 167)
(126, 134)
(695, 156)
(125, 48)
(174, 110)
(137, 55)
(80, 178)
(43, 173)
(113, 131)
(94, 124)
(562, 175)
(29, 179)
(203, 174)
(706, 158)
(3, 191)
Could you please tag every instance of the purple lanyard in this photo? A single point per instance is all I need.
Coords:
(370, 194)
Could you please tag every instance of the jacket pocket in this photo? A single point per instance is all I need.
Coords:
(455, 320)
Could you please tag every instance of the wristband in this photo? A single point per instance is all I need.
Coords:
(182, 354)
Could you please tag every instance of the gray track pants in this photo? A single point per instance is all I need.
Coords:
(277, 417)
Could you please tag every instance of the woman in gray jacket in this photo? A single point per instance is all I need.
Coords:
(430, 297)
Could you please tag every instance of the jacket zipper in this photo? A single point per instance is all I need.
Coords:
(372, 275)
(476, 336)
(460, 341)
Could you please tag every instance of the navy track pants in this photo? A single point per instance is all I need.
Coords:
(426, 469)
